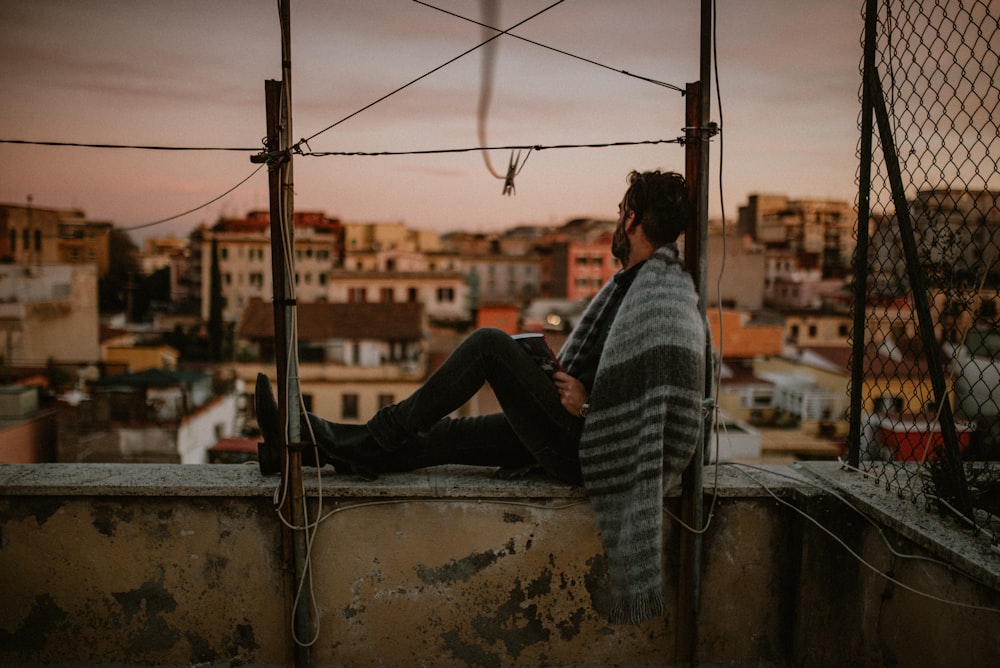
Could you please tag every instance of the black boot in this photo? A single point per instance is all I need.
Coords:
(268, 418)
(269, 450)
(349, 447)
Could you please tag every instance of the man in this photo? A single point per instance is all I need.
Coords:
(623, 417)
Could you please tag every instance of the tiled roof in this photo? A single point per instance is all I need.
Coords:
(318, 321)
(876, 363)
(154, 378)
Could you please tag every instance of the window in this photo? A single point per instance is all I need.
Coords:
(386, 400)
(385, 295)
(356, 295)
(38, 240)
(812, 331)
(886, 403)
(411, 295)
(349, 406)
(446, 295)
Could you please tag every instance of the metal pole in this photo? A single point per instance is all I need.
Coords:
(279, 157)
(950, 478)
(301, 613)
(861, 251)
(697, 135)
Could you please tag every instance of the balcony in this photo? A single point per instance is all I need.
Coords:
(805, 565)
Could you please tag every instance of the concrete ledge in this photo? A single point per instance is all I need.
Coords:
(944, 537)
(187, 480)
(461, 482)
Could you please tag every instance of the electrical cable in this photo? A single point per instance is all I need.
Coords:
(424, 76)
(197, 208)
(139, 147)
(860, 559)
(531, 147)
(551, 48)
(714, 404)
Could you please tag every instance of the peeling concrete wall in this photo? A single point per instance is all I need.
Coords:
(140, 580)
(180, 565)
(467, 583)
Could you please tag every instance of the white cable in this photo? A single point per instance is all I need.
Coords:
(857, 556)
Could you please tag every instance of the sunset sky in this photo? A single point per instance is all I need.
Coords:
(191, 73)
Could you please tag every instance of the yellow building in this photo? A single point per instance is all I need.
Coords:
(34, 235)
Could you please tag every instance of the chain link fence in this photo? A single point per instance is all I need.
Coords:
(925, 376)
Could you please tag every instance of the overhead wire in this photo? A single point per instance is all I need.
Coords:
(139, 147)
(425, 75)
(532, 147)
(189, 211)
(552, 48)
(858, 557)
(297, 148)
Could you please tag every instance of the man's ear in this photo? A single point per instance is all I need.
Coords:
(630, 221)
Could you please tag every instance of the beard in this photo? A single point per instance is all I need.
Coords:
(621, 247)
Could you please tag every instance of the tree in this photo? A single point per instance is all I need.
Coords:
(113, 287)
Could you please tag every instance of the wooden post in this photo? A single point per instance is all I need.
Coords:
(278, 96)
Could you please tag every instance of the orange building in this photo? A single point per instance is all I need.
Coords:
(741, 338)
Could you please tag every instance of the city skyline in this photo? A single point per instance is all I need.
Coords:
(191, 74)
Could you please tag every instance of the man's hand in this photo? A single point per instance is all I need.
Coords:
(572, 393)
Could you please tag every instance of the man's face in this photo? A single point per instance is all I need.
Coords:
(620, 244)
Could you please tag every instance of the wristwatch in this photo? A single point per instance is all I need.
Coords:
(583, 409)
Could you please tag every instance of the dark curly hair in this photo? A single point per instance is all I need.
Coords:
(660, 202)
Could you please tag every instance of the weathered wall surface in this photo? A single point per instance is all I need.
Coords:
(468, 583)
(140, 580)
(181, 565)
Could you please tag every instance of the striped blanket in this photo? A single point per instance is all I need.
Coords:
(644, 422)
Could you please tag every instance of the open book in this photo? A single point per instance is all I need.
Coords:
(536, 346)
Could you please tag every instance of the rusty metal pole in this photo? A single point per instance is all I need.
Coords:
(861, 250)
(698, 132)
(278, 155)
(950, 477)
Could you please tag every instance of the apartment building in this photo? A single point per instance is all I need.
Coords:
(354, 358)
(242, 249)
(736, 270)
(956, 233)
(364, 242)
(500, 279)
(48, 312)
(443, 294)
(159, 253)
(34, 235)
(818, 233)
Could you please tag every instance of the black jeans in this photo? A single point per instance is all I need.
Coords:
(533, 428)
